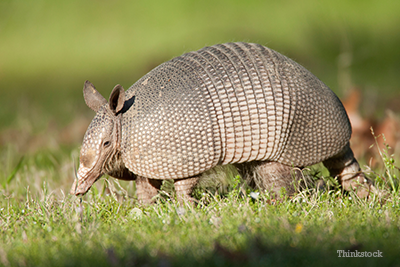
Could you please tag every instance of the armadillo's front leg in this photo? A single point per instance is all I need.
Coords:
(345, 167)
(147, 189)
(184, 187)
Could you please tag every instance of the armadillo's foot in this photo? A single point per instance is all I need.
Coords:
(271, 176)
(147, 189)
(184, 187)
(345, 167)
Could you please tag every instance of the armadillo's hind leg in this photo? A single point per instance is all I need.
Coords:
(184, 187)
(147, 189)
(345, 167)
(271, 176)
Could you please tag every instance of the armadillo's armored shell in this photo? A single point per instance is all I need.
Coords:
(229, 103)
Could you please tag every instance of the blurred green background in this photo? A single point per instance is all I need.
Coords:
(49, 48)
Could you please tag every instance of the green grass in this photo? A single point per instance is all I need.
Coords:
(41, 225)
(304, 231)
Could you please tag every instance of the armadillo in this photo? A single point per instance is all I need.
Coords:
(234, 103)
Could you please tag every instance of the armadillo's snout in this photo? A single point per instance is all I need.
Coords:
(85, 178)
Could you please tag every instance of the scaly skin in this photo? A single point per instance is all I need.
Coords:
(233, 103)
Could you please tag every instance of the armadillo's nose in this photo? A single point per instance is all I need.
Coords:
(84, 180)
(78, 188)
(73, 188)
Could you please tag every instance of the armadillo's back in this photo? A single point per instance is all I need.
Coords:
(168, 132)
(229, 103)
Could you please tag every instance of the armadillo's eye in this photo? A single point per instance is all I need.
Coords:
(106, 143)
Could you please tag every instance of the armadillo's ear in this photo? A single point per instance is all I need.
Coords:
(93, 98)
(117, 99)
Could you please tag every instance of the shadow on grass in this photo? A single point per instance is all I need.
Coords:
(256, 253)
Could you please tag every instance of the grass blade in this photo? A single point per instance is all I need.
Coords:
(13, 173)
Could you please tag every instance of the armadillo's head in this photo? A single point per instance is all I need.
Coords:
(100, 152)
